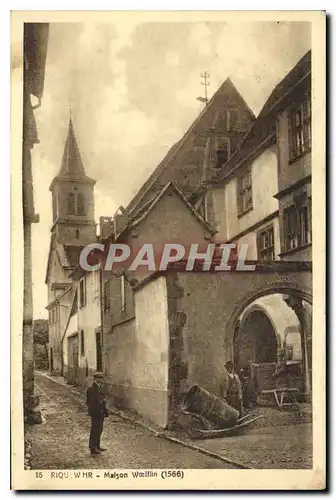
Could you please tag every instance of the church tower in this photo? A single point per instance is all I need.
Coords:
(73, 198)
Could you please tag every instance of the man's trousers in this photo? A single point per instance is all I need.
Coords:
(95, 433)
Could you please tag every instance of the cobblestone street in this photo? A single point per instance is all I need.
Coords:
(61, 442)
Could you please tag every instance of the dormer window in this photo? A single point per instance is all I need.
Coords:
(223, 152)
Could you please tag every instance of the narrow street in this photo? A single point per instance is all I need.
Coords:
(61, 442)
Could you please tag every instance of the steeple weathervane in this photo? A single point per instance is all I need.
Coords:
(206, 84)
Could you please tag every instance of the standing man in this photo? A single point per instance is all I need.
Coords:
(230, 388)
(250, 385)
(96, 404)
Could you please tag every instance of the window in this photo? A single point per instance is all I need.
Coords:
(82, 292)
(296, 225)
(265, 243)
(122, 292)
(71, 204)
(244, 188)
(80, 204)
(82, 345)
(300, 130)
(223, 153)
(76, 203)
(107, 296)
(304, 233)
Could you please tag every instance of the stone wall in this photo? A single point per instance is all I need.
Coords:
(137, 355)
(203, 311)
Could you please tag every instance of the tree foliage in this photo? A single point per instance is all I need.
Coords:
(41, 331)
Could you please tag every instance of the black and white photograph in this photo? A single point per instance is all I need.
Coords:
(171, 200)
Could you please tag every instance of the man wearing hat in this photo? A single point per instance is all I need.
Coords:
(230, 388)
(97, 410)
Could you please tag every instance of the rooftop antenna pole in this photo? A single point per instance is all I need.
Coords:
(206, 84)
(70, 117)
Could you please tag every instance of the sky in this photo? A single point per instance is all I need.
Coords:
(132, 88)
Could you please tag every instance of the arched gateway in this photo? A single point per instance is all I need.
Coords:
(255, 338)
(204, 309)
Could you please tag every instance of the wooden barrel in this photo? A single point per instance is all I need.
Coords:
(217, 411)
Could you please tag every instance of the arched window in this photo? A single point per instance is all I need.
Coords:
(71, 203)
(80, 204)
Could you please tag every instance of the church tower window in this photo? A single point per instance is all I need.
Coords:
(71, 203)
(72, 197)
(80, 204)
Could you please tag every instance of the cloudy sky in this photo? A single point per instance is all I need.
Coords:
(132, 90)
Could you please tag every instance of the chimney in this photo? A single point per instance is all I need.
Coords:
(105, 226)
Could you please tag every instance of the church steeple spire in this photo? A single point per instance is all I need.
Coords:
(72, 165)
(73, 197)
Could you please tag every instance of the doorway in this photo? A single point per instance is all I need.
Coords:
(73, 359)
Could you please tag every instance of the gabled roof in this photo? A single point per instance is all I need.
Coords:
(51, 248)
(70, 252)
(296, 74)
(144, 188)
(172, 186)
(263, 129)
(179, 145)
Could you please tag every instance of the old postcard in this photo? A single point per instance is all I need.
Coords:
(168, 229)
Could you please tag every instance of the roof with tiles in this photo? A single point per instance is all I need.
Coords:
(182, 153)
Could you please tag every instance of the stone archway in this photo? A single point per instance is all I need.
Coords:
(286, 288)
(294, 297)
(213, 303)
(256, 338)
